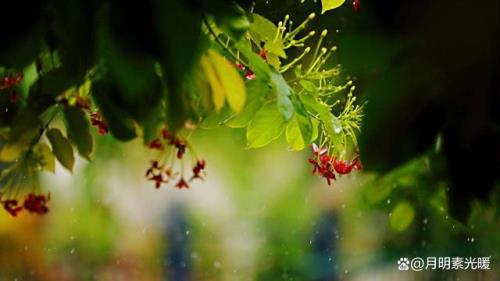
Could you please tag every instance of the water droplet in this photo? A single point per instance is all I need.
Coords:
(337, 130)
(187, 232)
(472, 240)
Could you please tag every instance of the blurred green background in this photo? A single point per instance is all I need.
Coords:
(428, 71)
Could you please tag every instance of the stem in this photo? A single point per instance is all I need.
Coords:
(217, 39)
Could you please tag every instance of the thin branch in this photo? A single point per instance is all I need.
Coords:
(218, 40)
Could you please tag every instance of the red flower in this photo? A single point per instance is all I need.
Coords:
(239, 66)
(263, 54)
(249, 75)
(181, 147)
(97, 121)
(36, 204)
(182, 184)
(12, 207)
(342, 167)
(197, 169)
(14, 96)
(11, 81)
(166, 134)
(355, 5)
(155, 144)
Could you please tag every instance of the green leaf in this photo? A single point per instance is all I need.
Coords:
(402, 216)
(120, 126)
(25, 128)
(61, 148)
(283, 92)
(315, 131)
(44, 91)
(257, 91)
(257, 65)
(263, 27)
(327, 5)
(47, 159)
(308, 86)
(276, 47)
(78, 128)
(267, 125)
(330, 122)
(234, 87)
(298, 132)
(234, 22)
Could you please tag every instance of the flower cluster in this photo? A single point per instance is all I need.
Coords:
(248, 73)
(326, 165)
(97, 121)
(35, 204)
(10, 81)
(172, 150)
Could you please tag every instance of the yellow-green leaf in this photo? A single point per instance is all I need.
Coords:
(402, 216)
(61, 148)
(266, 126)
(234, 87)
(327, 5)
(275, 47)
(294, 136)
(315, 131)
(47, 159)
(218, 95)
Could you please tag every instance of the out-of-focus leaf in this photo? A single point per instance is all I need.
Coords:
(266, 126)
(180, 37)
(78, 128)
(283, 92)
(120, 126)
(327, 5)
(257, 91)
(25, 127)
(72, 27)
(234, 21)
(62, 148)
(402, 216)
(217, 90)
(216, 118)
(234, 87)
(45, 155)
(48, 87)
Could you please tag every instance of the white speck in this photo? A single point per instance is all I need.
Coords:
(217, 264)
(426, 221)
(72, 251)
(187, 232)
(388, 201)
